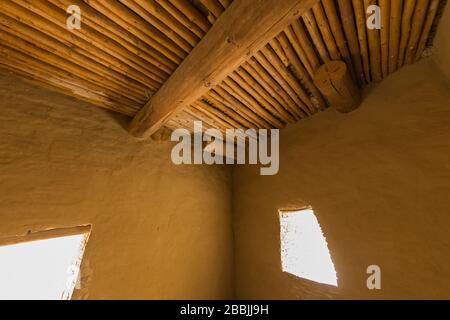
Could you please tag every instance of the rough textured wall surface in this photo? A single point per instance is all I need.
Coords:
(378, 180)
(159, 231)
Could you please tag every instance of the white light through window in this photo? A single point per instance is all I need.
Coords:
(304, 250)
(41, 270)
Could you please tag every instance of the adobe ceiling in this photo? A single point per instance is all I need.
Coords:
(242, 64)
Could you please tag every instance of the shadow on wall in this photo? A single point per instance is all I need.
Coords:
(378, 180)
(65, 163)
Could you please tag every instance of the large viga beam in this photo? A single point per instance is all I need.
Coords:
(244, 28)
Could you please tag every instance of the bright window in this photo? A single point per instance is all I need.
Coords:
(304, 250)
(44, 269)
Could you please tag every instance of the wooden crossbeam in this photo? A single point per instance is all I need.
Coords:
(244, 28)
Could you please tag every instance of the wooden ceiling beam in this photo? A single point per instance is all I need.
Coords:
(244, 28)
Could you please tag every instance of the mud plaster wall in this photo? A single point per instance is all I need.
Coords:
(378, 180)
(159, 231)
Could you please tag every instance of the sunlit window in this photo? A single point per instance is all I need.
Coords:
(46, 269)
(304, 250)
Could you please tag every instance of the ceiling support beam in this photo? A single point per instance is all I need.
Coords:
(244, 28)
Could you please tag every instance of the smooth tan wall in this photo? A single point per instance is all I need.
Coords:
(378, 180)
(159, 231)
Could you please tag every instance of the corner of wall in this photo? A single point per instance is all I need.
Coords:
(442, 44)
